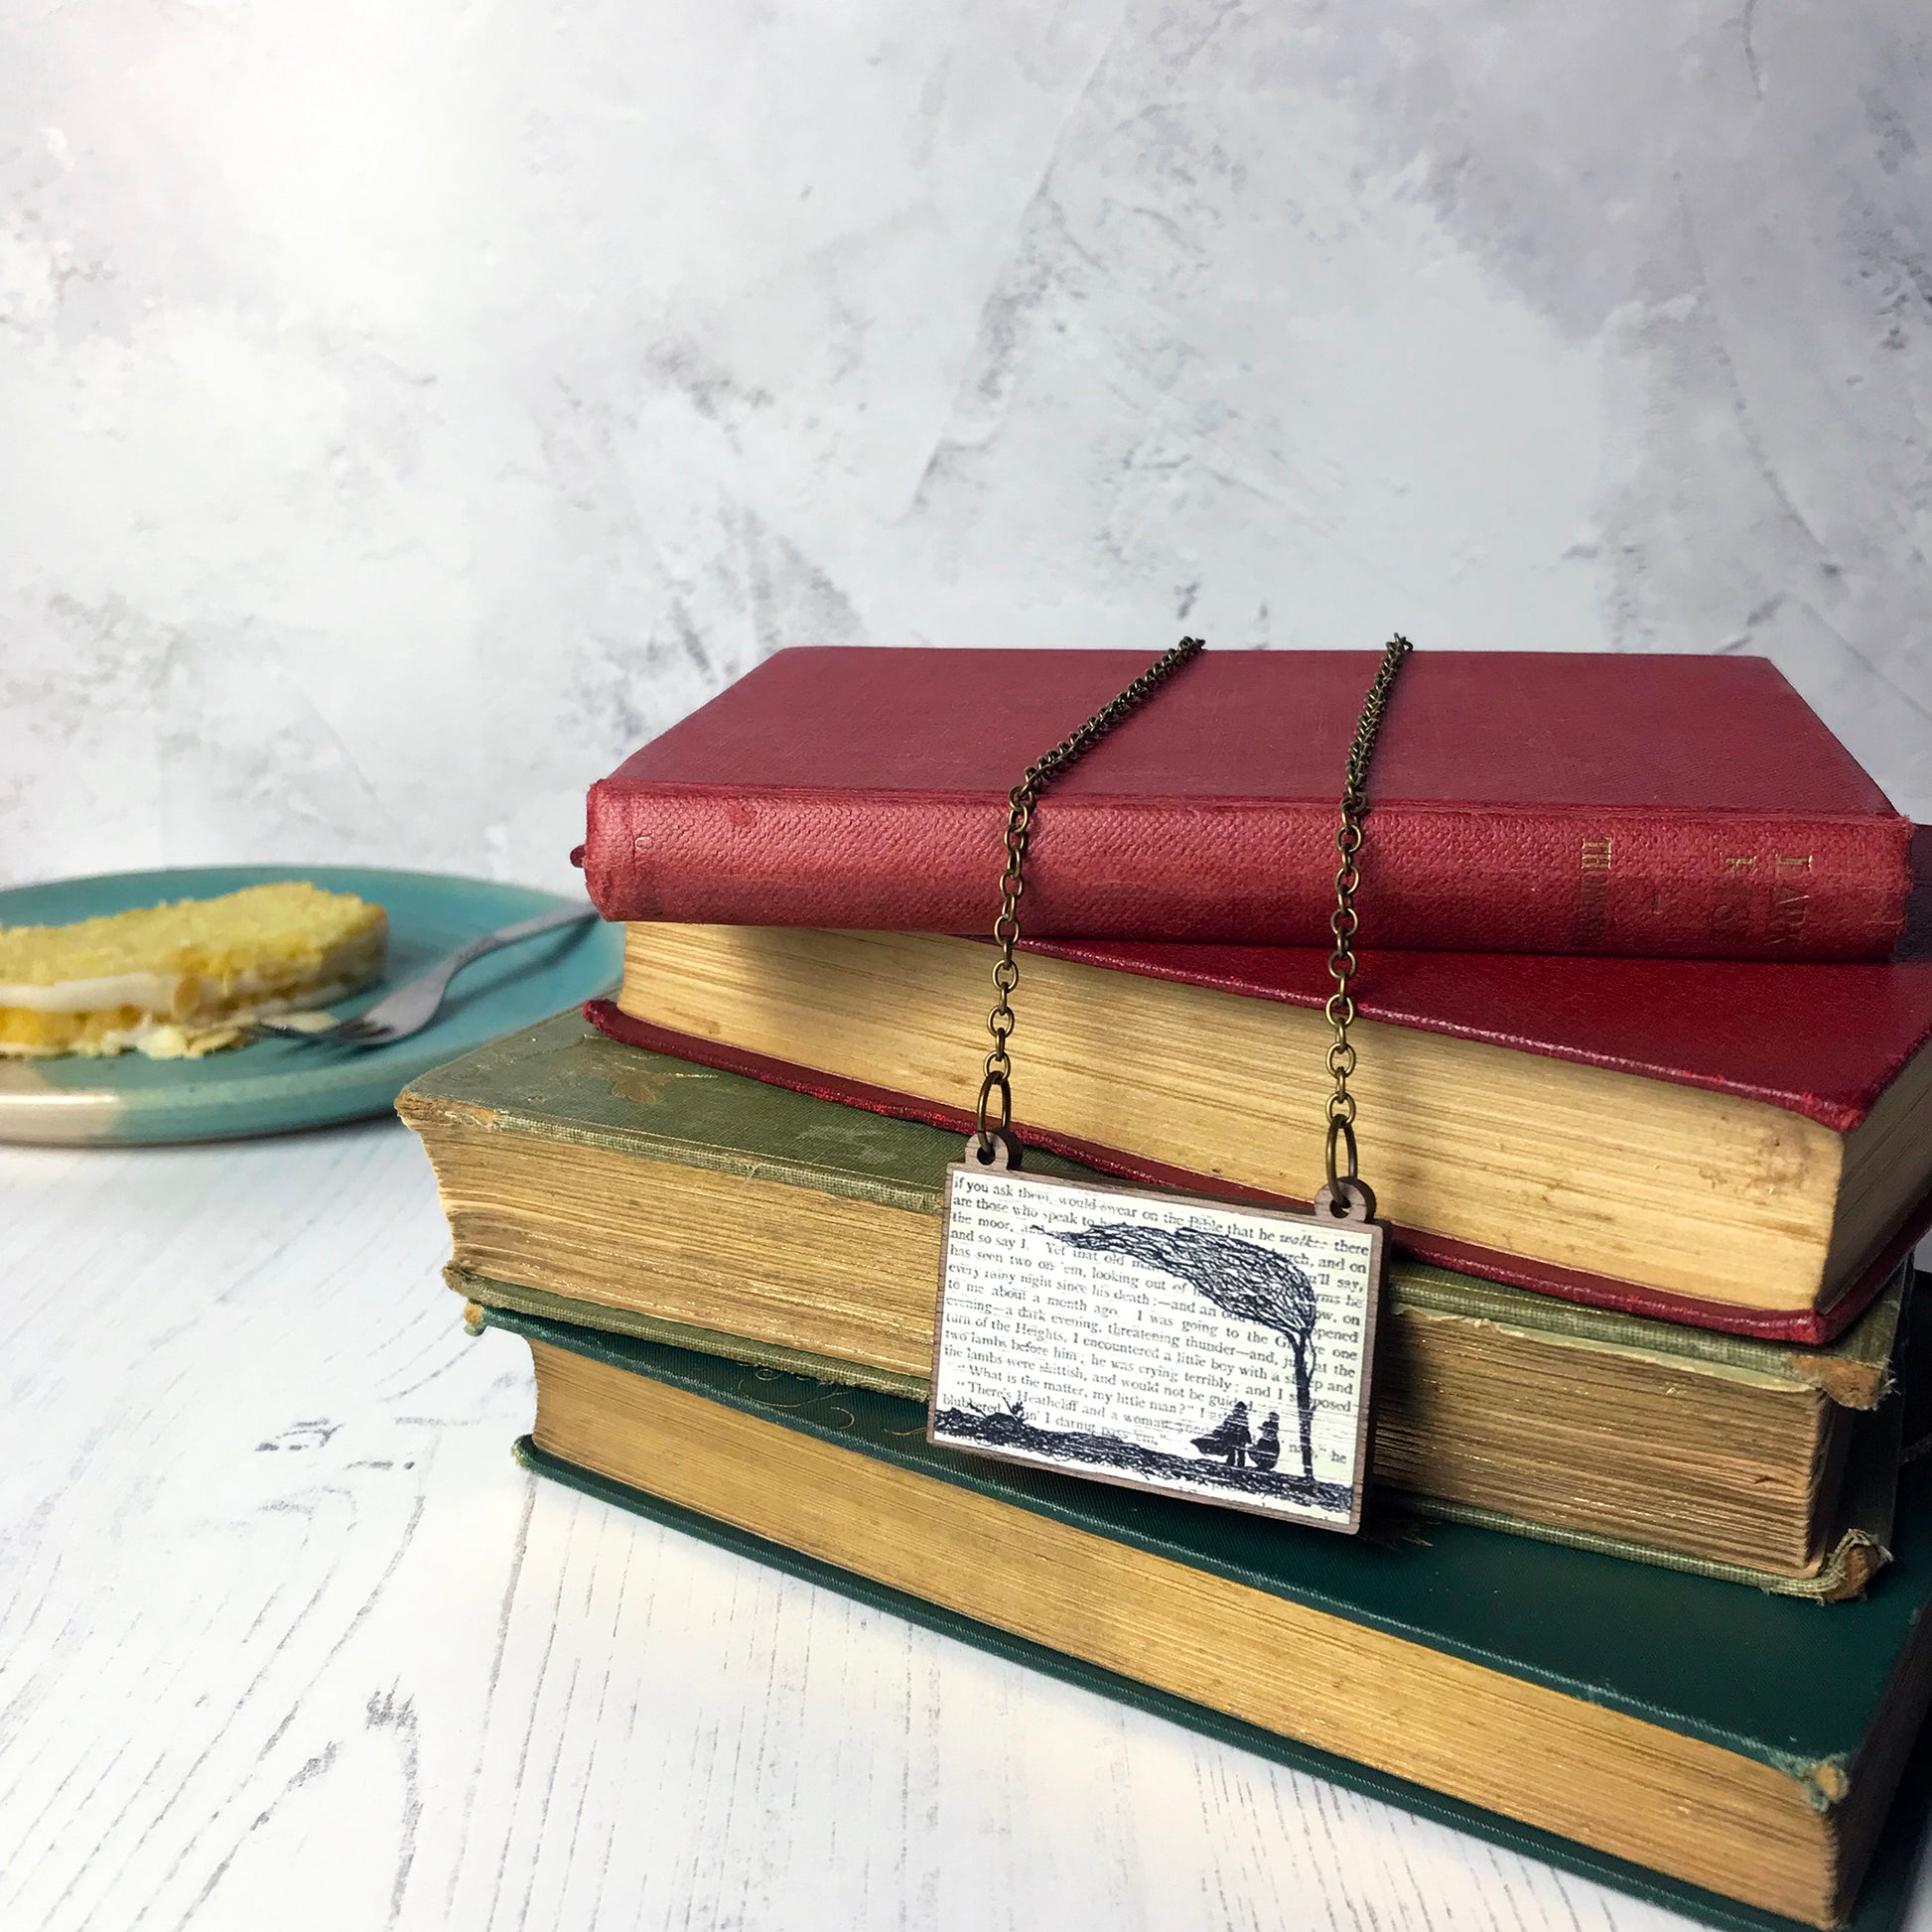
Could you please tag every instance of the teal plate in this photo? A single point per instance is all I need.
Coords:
(271, 1085)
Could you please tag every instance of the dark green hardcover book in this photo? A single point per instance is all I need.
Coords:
(591, 1181)
(1730, 1754)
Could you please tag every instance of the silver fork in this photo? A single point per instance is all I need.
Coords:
(409, 1009)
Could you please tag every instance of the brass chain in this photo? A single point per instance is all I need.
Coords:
(1344, 922)
(1020, 819)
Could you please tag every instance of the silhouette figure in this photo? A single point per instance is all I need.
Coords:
(1267, 1450)
(1250, 1283)
(1231, 1439)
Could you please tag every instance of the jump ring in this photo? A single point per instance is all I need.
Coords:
(1341, 1133)
(987, 1087)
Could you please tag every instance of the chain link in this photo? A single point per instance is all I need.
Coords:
(1019, 821)
(1344, 922)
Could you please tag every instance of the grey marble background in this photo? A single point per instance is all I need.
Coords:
(405, 410)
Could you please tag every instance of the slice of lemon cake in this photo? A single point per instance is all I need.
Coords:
(186, 978)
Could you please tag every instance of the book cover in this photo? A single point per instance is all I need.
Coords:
(1825, 1041)
(1814, 1700)
(1682, 806)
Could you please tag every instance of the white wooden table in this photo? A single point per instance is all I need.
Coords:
(288, 1641)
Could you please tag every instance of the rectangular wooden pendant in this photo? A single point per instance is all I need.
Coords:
(1198, 1348)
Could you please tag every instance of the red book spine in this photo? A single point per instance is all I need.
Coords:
(1722, 884)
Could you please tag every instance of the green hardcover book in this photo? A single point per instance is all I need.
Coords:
(596, 1183)
(1730, 1754)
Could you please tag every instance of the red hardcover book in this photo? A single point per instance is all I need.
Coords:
(1829, 1042)
(1686, 807)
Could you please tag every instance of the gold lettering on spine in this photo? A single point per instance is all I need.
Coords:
(1790, 897)
(1594, 895)
(1731, 911)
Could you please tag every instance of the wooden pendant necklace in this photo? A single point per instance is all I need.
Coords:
(1099, 1330)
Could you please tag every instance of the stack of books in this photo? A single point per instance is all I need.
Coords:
(1642, 1580)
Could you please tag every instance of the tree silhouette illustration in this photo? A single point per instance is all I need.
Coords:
(1242, 1279)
